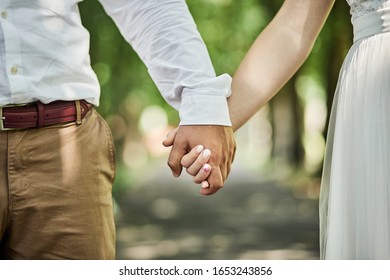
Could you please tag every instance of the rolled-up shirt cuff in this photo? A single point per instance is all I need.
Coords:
(207, 105)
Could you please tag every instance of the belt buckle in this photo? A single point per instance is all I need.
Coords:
(2, 128)
(2, 118)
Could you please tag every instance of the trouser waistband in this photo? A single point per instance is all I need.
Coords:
(37, 114)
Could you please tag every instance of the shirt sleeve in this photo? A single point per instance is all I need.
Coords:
(164, 35)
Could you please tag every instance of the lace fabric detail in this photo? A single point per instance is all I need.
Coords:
(362, 7)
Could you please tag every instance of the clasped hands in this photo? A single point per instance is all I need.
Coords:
(205, 151)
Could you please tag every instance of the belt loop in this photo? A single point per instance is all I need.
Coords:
(41, 115)
(78, 112)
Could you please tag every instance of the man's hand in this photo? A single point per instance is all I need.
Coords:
(218, 139)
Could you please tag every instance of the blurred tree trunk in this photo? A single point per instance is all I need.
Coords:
(287, 116)
(287, 123)
(337, 35)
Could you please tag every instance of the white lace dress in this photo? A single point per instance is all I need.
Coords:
(355, 191)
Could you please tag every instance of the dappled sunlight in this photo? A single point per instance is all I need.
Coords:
(153, 140)
(135, 154)
(315, 115)
(118, 126)
(137, 113)
(281, 254)
(153, 125)
(164, 208)
(258, 203)
(222, 241)
(285, 208)
(144, 244)
(170, 221)
(191, 243)
(313, 139)
(313, 94)
(314, 144)
(144, 145)
(141, 252)
(167, 248)
(219, 245)
(269, 206)
(254, 140)
(306, 188)
(152, 118)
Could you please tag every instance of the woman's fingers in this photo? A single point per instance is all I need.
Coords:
(202, 175)
(195, 159)
(205, 185)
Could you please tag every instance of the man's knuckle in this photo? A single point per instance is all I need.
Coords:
(171, 163)
(197, 180)
(190, 171)
(218, 186)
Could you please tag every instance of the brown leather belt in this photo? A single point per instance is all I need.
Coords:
(37, 114)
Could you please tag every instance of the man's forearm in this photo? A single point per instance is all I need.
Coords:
(164, 35)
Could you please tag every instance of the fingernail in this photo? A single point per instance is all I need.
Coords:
(206, 153)
(175, 174)
(205, 185)
(206, 168)
(199, 148)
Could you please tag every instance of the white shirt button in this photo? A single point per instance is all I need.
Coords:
(4, 14)
(14, 70)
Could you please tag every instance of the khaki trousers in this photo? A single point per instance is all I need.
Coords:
(55, 192)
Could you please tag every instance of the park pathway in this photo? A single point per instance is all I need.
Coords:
(251, 218)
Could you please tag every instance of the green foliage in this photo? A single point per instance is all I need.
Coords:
(228, 27)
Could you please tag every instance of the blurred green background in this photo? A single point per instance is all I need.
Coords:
(283, 143)
(291, 129)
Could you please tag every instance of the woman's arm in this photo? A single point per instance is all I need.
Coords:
(275, 56)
